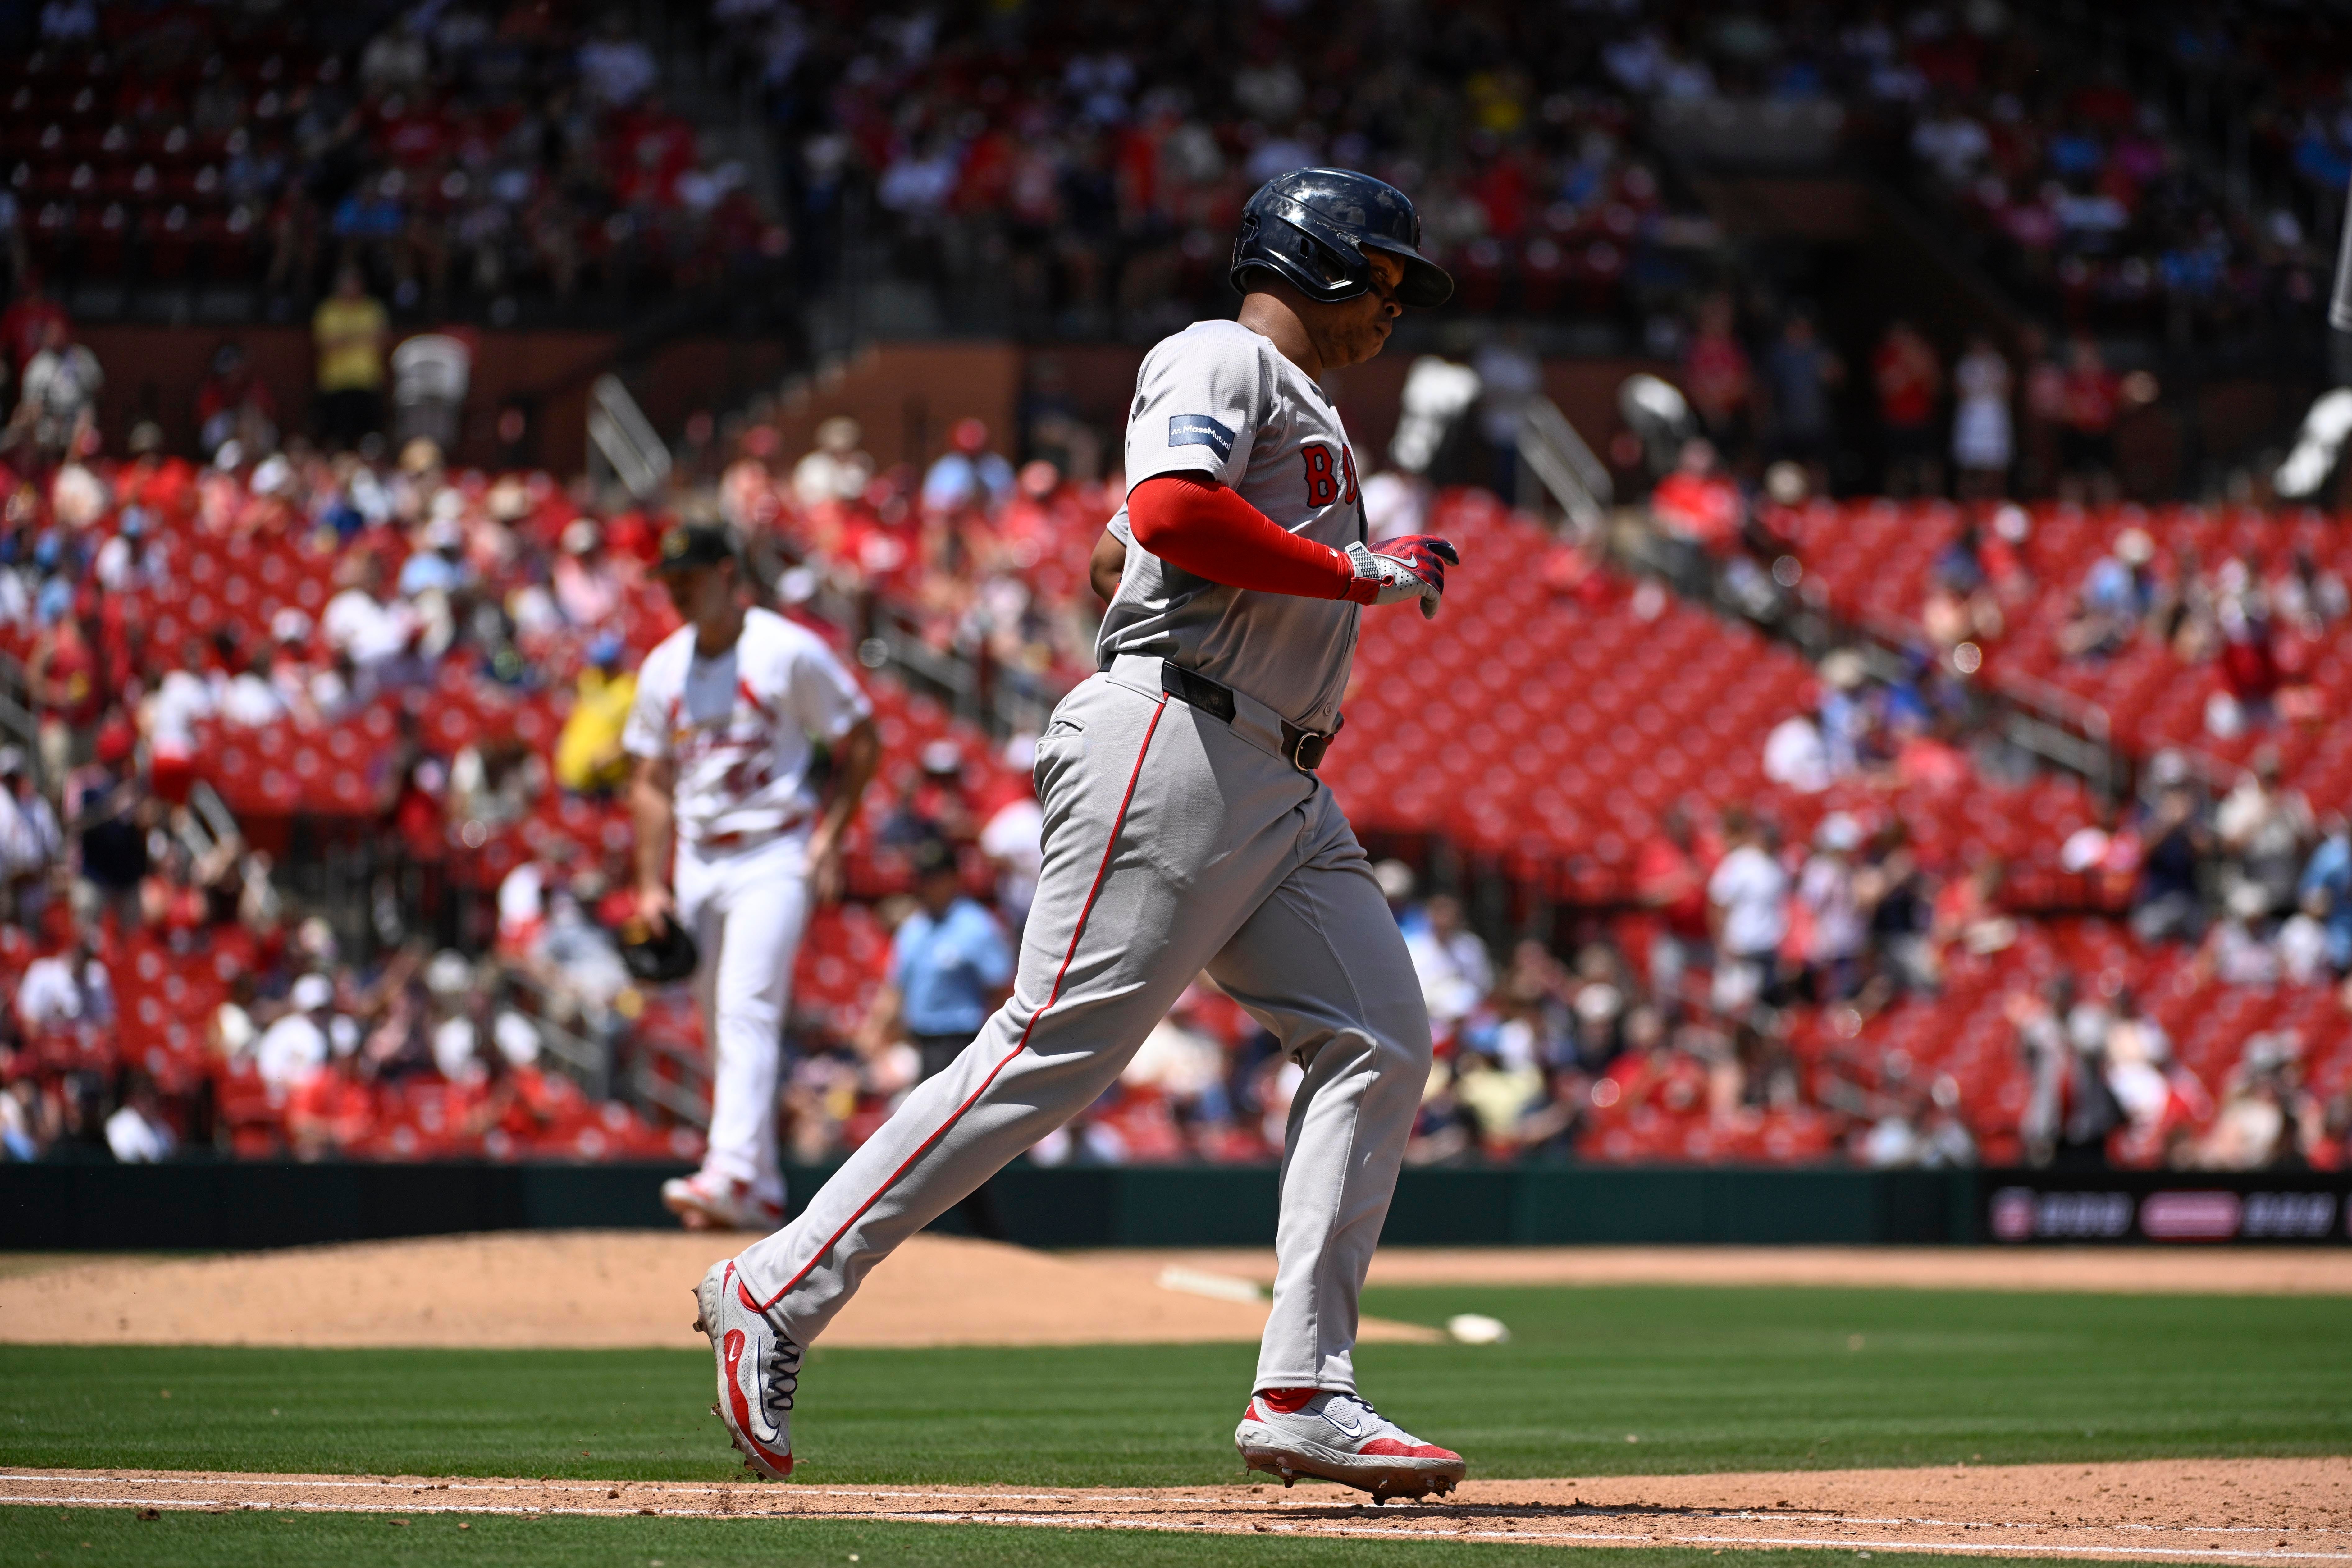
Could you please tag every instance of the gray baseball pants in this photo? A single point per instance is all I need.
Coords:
(1174, 842)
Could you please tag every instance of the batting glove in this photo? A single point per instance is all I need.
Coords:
(1413, 567)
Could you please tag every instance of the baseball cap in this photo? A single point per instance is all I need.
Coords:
(932, 856)
(690, 544)
(449, 974)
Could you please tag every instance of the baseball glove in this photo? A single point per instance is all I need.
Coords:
(658, 956)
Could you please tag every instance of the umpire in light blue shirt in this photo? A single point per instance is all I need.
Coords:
(950, 968)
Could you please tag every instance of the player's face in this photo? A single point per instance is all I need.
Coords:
(700, 594)
(1353, 330)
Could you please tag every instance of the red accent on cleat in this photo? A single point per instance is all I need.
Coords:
(1290, 1401)
(1390, 1448)
(781, 1463)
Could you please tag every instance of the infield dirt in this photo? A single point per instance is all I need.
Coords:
(626, 1289)
(2230, 1509)
(601, 1290)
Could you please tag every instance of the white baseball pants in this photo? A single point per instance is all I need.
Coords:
(746, 909)
(1173, 842)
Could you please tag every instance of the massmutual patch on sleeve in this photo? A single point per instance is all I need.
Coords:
(1200, 430)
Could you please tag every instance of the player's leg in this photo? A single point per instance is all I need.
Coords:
(746, 912)
(1144, 879)
(1321, 964)
(766, 904)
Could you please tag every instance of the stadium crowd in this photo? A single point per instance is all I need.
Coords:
(294, 674)
(463, 156)
(2102, 203)
(471, 635)
(460, 593)
(1079, 169)
(1066, 169)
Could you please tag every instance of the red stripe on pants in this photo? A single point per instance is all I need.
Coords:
(1021, 1045)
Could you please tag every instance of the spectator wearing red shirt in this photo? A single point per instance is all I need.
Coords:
(1717, 376)
(68, 694)
(1698, 502)
(1909, 380)
(24, 325)
(2248, 661)
(330, 1109)
(1670, 880)
(651, 148)
(234, 403)
(2045, 414)
(162, 484)
(2091, 396)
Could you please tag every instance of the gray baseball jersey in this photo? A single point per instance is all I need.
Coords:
(1219, 399)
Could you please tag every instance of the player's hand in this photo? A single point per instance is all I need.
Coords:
(1413, 567)
(825, 879)
(656, 908)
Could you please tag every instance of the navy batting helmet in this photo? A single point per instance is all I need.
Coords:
(1313, 227)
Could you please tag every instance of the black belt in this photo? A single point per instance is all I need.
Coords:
(1303, 749)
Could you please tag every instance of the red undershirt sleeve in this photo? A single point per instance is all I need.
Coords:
(1210, 531)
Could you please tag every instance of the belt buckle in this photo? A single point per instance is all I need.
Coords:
(1305, 748)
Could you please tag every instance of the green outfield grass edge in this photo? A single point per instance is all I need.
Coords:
(1603, 1381)
(85, 1535)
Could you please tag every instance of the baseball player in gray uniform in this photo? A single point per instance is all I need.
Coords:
(1185, 829)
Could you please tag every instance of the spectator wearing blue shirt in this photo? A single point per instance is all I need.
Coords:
(968, 474)
(2327, 877)
(949, 967)
(439, 567)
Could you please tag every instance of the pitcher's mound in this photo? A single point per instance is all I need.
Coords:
(599, 1290)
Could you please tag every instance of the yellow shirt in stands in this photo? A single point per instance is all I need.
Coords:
(350, 334)
(588, 754)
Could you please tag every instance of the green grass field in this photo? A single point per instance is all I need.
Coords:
(1701, 1379)
(204, 1541)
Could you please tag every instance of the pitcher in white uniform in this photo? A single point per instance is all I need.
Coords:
(726, 711)
(1185, 829)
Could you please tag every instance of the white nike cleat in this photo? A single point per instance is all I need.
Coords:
(1338, 1438)
(705, 1201)
(759, 1371)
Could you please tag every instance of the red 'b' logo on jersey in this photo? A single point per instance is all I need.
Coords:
(1322, 480)
(1324, 477)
